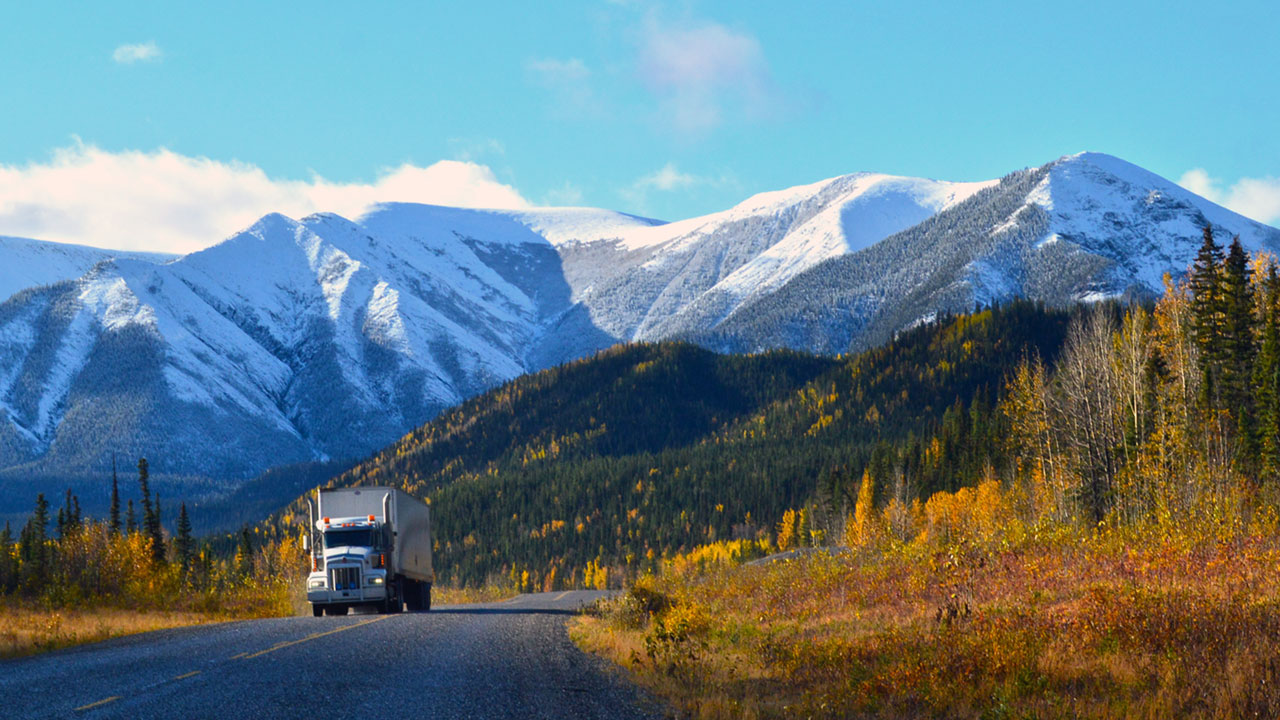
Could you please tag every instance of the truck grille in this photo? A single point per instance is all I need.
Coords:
(344, 578)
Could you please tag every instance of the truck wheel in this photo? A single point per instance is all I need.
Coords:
(317, 610)
(413, 595)
(426, 596)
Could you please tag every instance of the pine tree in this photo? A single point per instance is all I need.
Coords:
(114, 515)
(182, 544)
(131, 520)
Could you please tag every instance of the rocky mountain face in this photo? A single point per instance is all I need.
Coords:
(325, 338)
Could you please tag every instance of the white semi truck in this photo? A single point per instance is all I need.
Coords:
(373, 549)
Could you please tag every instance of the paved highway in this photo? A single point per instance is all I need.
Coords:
(500, 660)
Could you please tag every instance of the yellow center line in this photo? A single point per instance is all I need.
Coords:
(193, 673)
(561, 595)
(103, 701)
(291, 643)
(239, 655)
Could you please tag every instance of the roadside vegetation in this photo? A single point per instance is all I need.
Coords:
(1123, 563)
(74, 579)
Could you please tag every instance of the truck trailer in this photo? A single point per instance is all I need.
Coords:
(369, 546)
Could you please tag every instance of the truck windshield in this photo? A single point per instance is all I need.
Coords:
(341, 538)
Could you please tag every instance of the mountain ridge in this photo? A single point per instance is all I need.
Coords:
(326, 338)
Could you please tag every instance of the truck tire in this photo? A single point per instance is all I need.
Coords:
(317, 610)
(426, 597)
(413, 598)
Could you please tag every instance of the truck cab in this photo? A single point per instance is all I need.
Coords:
(350, 568)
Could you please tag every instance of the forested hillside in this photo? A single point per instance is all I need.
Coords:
(626, 457)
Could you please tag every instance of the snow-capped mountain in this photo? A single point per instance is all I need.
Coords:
(327, 338)
(26, 263)
(1082, 228)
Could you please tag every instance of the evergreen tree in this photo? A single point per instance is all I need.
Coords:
(131, 520)
(182, 544)
(1266, 377)
(144, 485)
(33, 547)
(244, 553)
(77, 517)
(1239, 348)
(1207, 313)
(114, 514)
(150, 512)
(156, 532)
(8, 576)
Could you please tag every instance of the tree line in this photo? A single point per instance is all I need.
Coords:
(129, 559)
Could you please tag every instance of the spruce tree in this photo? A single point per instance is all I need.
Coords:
(144, 485)
(182, 544)
(1239, 349)
(8, 577)
(156, 532)
(1206, 318)
(244, 553)
(33, 548)
(131, 520)
(1266, 378)
(114, 515)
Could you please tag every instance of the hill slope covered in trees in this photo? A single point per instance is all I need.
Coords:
(623, 458)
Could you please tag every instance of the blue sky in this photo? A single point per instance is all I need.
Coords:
(664, 109)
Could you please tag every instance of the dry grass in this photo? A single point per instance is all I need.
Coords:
(1070, 626)
(442, 595)
(26, 630)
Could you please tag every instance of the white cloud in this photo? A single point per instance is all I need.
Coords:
(701, 72)
(166, 202)
(1256, 198)
(137, 52)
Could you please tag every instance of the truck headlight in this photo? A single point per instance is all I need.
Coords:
(375, 580)
(315, 584)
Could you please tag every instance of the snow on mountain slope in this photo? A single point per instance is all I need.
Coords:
(669, 279)
(329, 337)
(26, 263)
(1082, 228)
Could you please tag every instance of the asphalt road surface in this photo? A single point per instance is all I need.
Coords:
(499, 660)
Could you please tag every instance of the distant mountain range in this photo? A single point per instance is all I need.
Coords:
(325, 338)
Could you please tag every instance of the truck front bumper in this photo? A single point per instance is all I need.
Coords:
(324, 596)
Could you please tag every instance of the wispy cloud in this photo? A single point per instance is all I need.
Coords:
(667, 179)
(1256, 198)
(567, 195)
(569, 82)
(167, 202)
(701, 71)
(137, 52)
